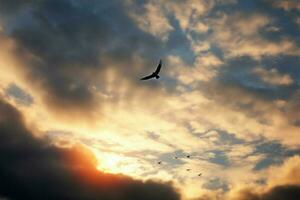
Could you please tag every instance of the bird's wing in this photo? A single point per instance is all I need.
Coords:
(158, 68)
(147, 77)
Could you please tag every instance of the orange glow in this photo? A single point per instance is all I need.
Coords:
(83, 163)
(114, 163)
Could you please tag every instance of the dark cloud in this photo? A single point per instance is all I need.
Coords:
(31, 168)
(13, 6)
(290, 192)
(73, 42)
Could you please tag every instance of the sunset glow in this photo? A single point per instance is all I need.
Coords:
(150, 99)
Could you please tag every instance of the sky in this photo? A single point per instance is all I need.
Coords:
(77, 123)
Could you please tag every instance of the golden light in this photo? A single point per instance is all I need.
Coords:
(114, 163)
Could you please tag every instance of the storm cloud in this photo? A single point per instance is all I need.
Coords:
(31, 168)
(291, 192)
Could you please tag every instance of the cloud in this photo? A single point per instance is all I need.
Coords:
(151, 18)
(69, 50)
(298, 21)
(189, 12)
(288, 173)
(250, 109)
(287, 5)
(273, 77)
(239, 35)
(82, 60)
(215, 184)
(204, 68)
(281, 182)
(31, 168)
(291, 192)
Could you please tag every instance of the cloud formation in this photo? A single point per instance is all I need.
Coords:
(228, 95)
(273, 77)
(31, 168)
(205, 68)
(239, 35)
(291, 192)
(287, 5)
(282, 182)
(151, 18)
(65, 42)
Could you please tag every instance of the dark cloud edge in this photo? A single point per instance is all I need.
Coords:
(280, 192)
(31, 168)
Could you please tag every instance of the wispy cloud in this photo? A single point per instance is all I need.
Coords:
(239, 35)
(151, 18)
(287, 5)
(204, 68)
(273, 77)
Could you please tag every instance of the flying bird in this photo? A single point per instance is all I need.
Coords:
(188, 170)
(188, 156)
(200, 174)
(154, 74)
(159, 162)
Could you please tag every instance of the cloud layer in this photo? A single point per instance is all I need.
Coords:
(31, 168)
(228, 96)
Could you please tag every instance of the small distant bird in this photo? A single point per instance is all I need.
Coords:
(188, 156)
(159, 162)
(188, 170)
(200, 174)
(176, 157)
(154, 74)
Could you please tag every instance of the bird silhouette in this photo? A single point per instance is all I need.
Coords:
(154, 74)
(159, 162)
(188, 156)
(200, 174)
(188, 170)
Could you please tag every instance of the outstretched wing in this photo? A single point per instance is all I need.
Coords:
(147, 77)
(158, 68)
